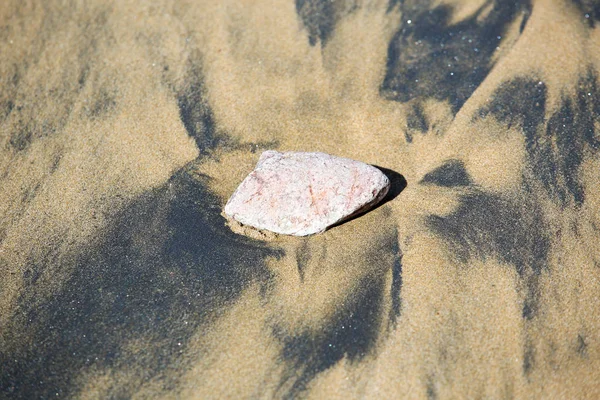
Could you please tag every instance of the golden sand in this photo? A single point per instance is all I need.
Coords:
(91, 119)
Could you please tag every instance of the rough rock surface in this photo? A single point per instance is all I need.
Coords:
(298, 193)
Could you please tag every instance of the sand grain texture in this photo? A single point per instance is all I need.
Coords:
(125, 126)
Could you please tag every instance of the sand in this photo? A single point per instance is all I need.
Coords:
(125, 126)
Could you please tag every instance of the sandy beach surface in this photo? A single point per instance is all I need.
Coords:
(126, 125)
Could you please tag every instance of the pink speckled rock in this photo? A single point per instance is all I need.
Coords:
(296, 193)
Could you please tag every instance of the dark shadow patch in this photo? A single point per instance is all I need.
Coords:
(523, 24)
(416, 120)
(570, 134)
(430, 388)
(488, 226)
(166, 268)
(27, 123)
(198, 119)
(352, 334)
(590, 11)
(26, 127)
(530, 304)
(392, 4)
(396, 288)
(450, 174)
(555, 154)
(318, 16)
(528, 359)
(13, 74)
(6, 107)
(20, 139)
(581, 346)
(31, 274)
(196, 114)
(518, 102)
(84, 74)
(56, 159)
(102, 103)
(521, 103)
(429, 58)
(302, 258)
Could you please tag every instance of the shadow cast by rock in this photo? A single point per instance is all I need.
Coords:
(397, 185)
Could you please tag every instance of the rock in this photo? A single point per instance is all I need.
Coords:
(297, 193)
